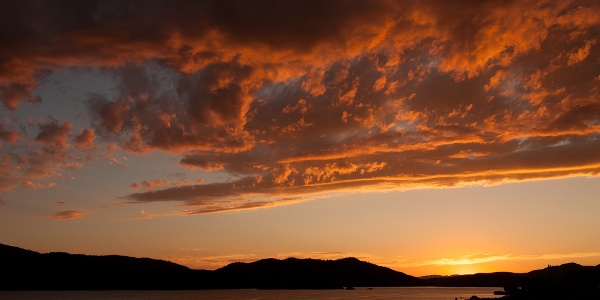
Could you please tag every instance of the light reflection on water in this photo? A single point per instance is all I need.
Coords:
(404, 293)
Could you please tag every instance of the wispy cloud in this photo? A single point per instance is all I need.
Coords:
(157, 183)
(68, 215)
(144, 215)
(193, 249)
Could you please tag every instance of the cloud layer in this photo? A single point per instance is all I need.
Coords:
(297, 98)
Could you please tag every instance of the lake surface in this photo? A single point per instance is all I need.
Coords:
(403, 293)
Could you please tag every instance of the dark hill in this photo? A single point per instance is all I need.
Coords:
(27, 270)
(537, 277)
(293, 273)
(24, 269)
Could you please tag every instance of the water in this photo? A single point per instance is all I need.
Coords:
(404, 293)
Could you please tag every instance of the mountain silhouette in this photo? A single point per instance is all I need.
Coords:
(567, 281)
(29, 270)
(294, 273)
(25, 269)
(561, 273)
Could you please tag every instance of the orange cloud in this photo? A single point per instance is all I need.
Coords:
(150, 185)
(580, 54)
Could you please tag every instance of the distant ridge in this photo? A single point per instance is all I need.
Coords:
(568, 281)
(562, 273)
(294, 273)
(29, 270)
(25, 269)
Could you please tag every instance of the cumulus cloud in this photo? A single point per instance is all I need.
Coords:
(54, 135)
(68, 215)
(151, 185)
(85, 140)
(33, 163)
(33, 169)
(291, 99)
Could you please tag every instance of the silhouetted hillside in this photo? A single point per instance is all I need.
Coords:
(561, 273)
(293, 273)
(568, 281)
(24, 269)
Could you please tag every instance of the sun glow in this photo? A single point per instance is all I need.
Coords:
(465, 269)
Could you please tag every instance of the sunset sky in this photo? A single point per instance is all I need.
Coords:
(431, 137)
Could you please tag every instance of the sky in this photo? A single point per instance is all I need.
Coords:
(431, 137)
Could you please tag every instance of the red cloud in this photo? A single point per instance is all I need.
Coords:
(9, 136)
(86, 139)
(12, 93)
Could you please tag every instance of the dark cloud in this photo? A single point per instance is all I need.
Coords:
(39, 36)
(54, 135)
(201, 163)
